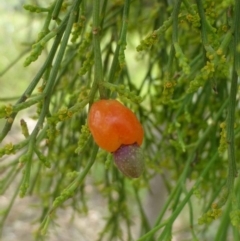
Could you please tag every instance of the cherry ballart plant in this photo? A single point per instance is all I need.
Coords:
(133, 102)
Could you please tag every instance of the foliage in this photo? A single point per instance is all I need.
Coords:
(188, 52)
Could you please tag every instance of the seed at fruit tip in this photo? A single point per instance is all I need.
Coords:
(129, 160)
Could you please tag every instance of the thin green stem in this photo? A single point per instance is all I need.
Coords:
(8, 209)
(57, 9)
(232, 172)
(14, 61)
(153, 231)
(98, 69)
(203, 22)
(143, 215)
(123, 34)
(48, 19)
(237, 37)
(28, 103)
(176, 9)
(27, 172)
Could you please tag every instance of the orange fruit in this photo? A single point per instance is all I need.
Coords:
(112, 124)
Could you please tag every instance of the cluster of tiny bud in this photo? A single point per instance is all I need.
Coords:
(6, 110)
(210, 215)
(153, 37)
(37, 48)
(52, 133)
(121, 55)
(7, 149)
(23, 189)
(86, 42)
(65, 194)
(39, 107)
(45, 161)
(84, 93)
(35, 53)
(216, 64)
(147, 42)
(191, 17)
(108, 161)
(83, 138)
(210, 11)
(168, 89)
(235, 218)
(197, 193)
(77, 28)
(62, 115)
(123, 92)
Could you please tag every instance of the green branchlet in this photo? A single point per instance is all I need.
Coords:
(123, 36)
(108, 161)
(43, 37)
(57, 9)
(35, 9)
(27, 159)
(7, 110)
(65, 194)
(45, 160)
